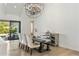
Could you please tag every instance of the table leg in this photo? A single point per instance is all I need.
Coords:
(48, 48)
(40, 48)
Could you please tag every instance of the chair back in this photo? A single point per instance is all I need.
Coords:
(29, 41)
(24, 39)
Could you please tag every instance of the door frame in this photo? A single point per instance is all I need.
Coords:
(10, 24)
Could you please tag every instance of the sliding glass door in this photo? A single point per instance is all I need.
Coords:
(14, 29)
(9, 30)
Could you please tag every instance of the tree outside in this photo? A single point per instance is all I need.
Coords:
(5, 28)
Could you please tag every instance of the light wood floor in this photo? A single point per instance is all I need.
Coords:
(10, 48)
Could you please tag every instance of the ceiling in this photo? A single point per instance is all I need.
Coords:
(13, 8)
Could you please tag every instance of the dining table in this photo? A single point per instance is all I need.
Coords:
(43, 42)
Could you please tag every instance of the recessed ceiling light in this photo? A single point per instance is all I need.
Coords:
(15, 6)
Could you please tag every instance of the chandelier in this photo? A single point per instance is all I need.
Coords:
(33, 10)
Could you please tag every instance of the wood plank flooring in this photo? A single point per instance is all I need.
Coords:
(10, 48)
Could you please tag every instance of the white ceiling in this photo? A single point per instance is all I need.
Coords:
(13, 8)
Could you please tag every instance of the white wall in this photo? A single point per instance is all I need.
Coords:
(69, 26)
(25, 23)
(64, 19)
(1, 12)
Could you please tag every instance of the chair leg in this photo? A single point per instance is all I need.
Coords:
(27, 49)
(22, 46)
(30, 51)
(19, 44)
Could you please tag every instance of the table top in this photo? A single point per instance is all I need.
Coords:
(42, 40)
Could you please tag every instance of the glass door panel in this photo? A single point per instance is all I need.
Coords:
(4, 30)
(14, 30)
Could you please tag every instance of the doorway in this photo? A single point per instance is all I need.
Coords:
(9, 30)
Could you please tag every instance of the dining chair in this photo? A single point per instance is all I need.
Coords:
(22, 41)
(31, 45)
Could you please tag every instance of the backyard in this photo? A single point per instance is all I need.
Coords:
(6, 29)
